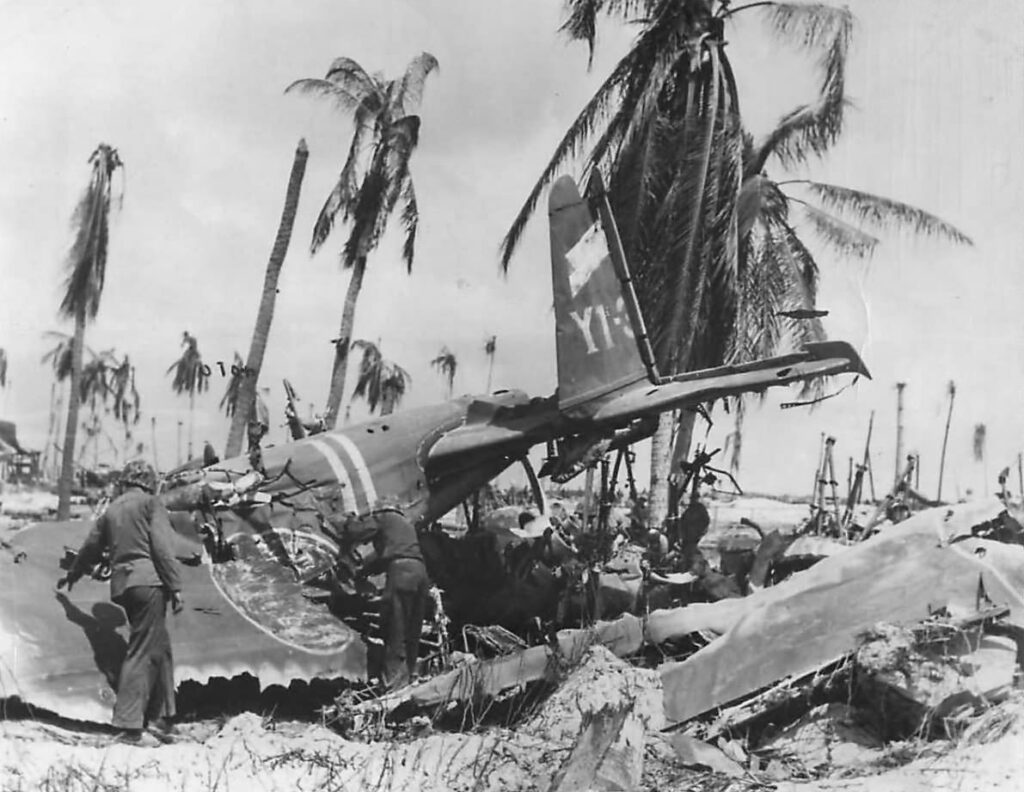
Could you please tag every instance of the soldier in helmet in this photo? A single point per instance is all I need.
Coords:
(397, 552)
(136, 531)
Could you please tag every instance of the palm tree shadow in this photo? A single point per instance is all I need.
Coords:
(108, 646)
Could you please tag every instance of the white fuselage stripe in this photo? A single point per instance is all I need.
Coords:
(348, 497)
(359, 463)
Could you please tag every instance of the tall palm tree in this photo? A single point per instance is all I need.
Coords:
(374, 180)
(246, 387)
(665, 127)
(446, 364)
(381, 382)
(490, 346)
(191, 376)
(86, 266)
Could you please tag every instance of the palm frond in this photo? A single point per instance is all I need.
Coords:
(810, 130)
(87, 259)
(348, 74)
(812, 26)
(340, 96)
(410, 223)
(841, 237)
(569, 146)
(342, 196)
(229, 401)
(410, 91)
(883, 213)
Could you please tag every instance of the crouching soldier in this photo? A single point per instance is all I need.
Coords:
(136, 531)
(397, 553)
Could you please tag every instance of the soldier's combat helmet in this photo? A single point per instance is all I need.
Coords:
(139, 473)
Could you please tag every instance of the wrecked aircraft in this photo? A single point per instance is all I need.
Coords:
(273, 521)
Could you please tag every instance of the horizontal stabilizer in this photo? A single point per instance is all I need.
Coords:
(814, 360)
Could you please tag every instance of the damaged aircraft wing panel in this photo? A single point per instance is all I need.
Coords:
(803, 627)
(62, 651)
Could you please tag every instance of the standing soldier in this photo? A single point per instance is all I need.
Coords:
(137, 532)
(397, 552)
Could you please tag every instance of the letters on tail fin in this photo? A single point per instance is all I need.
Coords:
(596, 331)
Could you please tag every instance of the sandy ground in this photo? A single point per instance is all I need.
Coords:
(252, 753)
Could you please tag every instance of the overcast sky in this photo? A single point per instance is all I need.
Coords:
(192, 96)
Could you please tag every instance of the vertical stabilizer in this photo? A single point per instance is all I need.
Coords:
(596, 336)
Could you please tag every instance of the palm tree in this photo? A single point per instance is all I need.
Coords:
(94, 390)
(381, 382)
(230, 400)
(3, 368)
(246, 388)
(489, 348)
(777, 271)
(446, 364)
(665, 127)
(191, 376)
(374, 180)
(127, 405)
(86, 267)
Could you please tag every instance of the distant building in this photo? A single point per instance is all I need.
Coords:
(17, 465)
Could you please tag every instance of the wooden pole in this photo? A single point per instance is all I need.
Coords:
(867, 457)
(152, 431)
(899, 430)
(817, 468)
(945, 438)
(588, 489)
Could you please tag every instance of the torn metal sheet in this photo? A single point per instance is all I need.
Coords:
(62, 651)
(900, 576)
(488, 678)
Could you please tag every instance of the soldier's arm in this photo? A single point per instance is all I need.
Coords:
(161, 545)
(90, 551)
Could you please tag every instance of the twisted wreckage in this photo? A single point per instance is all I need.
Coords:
(265, 598)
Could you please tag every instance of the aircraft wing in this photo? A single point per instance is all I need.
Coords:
(642, 399)
(62, 651)
(814, 360)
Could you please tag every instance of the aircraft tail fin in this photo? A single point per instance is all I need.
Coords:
(600, 339)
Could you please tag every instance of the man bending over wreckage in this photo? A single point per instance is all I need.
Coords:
(396, 552)
(137, 532)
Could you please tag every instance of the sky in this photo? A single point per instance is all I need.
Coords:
(192, 96)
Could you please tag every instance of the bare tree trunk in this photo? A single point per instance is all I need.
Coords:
(661, 444)
(67, 468)
(265, 314)
(191, 423)
(152, 429)
(945, 440)
(343, 342)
